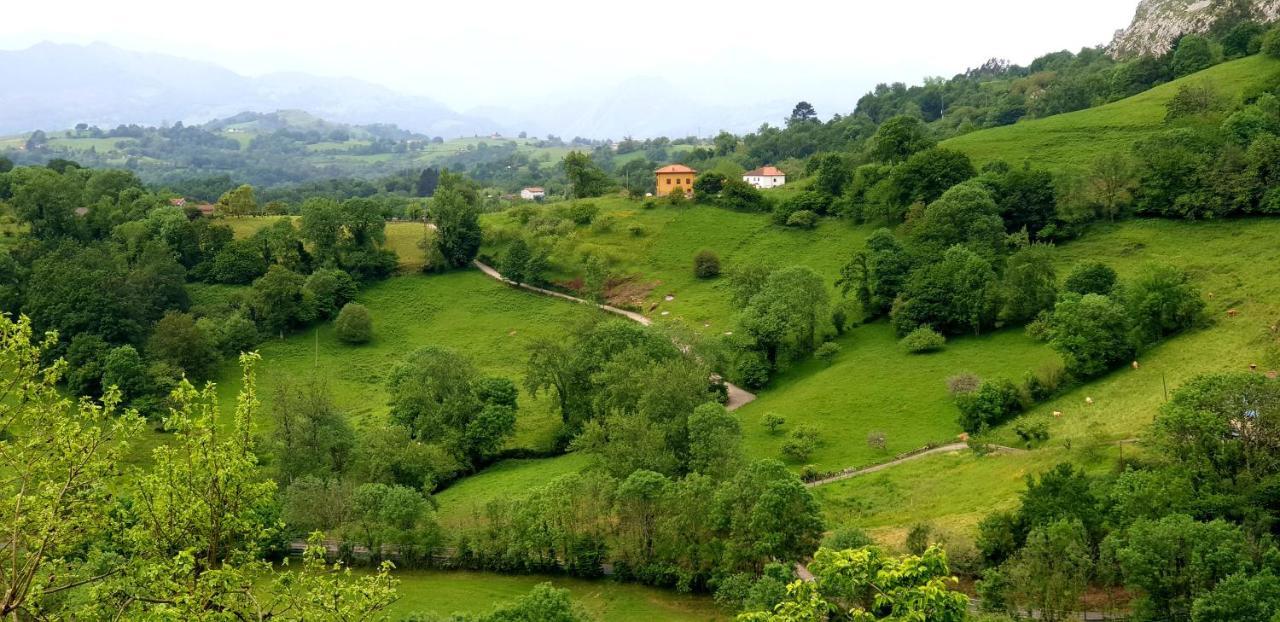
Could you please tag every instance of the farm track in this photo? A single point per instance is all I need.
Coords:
(738, 397)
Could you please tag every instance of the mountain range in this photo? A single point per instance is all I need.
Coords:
(54, 86)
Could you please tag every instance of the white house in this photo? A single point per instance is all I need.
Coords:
(765, 177)
(533, 194)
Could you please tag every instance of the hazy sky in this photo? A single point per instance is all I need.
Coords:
(485, 53)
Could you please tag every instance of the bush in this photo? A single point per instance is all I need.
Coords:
(1091, 278)
(992, 404)
(1032, 432)
(923, 339)
(603, 224)
(582, 213)
(803, 219)
(961, 383)
(847, 538)
(636, 230)
(827, 352)
(753, 371)
(772, 422)
(801, 442)
(354, 324)
(1271, 43)
(919, 537)
(706, 265)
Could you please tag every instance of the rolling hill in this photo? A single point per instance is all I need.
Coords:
(1074, 139)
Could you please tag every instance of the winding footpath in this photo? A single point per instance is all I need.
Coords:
(738, 397)
(941, 449)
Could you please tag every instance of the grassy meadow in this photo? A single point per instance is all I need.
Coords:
(1073, 140)
(443, 593)
(465, 311)
(658, 262)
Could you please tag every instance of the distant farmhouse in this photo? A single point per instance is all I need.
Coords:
(533, 193)
(676, 177)
(765, 177)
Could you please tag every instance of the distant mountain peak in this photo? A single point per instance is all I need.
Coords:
(1157, 24)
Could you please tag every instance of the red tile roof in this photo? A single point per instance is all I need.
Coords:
(765, 171)
(675, 168)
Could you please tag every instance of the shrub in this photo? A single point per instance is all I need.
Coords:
(649, 204)
(354, 324)
(919, 537)
(1162, 302)
(753, 371)
(582, 213)
(636, 230)
(706, 264)
(1091, 333)
(961, 383)
(772, 422)
(803, 219)
(827, 352)
(1091, 278)
(923, 339)
(603, 224)
(992, 404)
(847, 538)
(1032, 432)
(801, 443)
(1271, 43)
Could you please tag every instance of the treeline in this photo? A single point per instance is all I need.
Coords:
(106, 263)
(1187, 527)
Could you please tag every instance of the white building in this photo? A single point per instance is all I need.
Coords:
(533, 194)
(765, 177)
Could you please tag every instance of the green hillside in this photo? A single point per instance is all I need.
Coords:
(1074, 139)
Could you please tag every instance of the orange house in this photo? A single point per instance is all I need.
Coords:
(675, 177)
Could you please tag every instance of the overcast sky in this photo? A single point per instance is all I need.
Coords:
(473, 53)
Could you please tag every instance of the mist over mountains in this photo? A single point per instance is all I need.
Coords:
(53, 86)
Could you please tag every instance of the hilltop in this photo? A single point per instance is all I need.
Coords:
(1158, 24)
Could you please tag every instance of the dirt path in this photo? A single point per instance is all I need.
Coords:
(942, 449)
(738, 397)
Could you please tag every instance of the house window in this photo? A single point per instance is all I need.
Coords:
(677, 181)
(668, 181)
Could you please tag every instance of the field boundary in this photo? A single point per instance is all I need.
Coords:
(738, 397)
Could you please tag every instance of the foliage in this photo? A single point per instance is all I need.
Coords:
(354, 324)
(922, 340)
(1051, 571)
(1091, 332)
(993, 403)
(59, 461)
(437, 394)
(1091, 278)
(706, 264)
(954, 295)
(457, 221)
(801, 442)
(871, 585)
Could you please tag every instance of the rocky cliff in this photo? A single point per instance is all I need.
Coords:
(1159, 23)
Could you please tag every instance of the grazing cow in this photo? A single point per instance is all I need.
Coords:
(1233, 312)
(1088, 401)
(1057, 414)
(1136, 365)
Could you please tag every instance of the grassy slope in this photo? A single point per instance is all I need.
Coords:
(874, 386)
(663, 256)
(462, 310)
(1074, 139)
(1232, 260)
(460, 503)
(472, 592)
